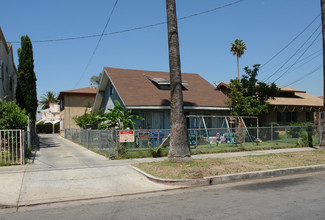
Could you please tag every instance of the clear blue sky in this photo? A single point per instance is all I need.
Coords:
(266, 26)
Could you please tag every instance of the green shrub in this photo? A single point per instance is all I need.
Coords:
(12, 116)
(303, 139)
(47, 128)
(295, 128)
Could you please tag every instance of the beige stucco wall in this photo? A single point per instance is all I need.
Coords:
(74, 105)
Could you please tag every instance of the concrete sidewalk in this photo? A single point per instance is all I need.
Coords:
(64, 171)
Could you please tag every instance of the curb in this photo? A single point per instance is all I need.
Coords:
(236, 177)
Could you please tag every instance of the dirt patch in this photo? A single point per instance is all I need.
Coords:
(220, 166)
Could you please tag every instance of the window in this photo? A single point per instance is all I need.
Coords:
(2, 70)
(164, 84)
(110, 88)
(61, 104)
(287, 116)
(307, 116)
(10, 83)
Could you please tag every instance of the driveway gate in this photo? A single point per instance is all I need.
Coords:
(12, 150)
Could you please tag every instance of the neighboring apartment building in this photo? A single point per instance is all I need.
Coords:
(51, 114)
(73, 103)
(8, 71)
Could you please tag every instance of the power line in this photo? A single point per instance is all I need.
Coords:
(135, 28)
(295, 53)
(291, 41)
(100, 38)
(317, 55)
(304, 76)
(299, 57)
(316, 52)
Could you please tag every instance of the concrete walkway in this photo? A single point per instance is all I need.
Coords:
(64, 171)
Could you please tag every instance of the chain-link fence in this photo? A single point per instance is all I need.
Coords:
(149, 142)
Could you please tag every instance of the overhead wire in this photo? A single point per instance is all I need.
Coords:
(299, 57)
(317, 55)
(98, 42)
(304, 76)
(285, 47)
(316, 52)
(133, 29)
(295, 53)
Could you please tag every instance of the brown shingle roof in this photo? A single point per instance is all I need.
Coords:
(299, 99)
(82, 91)
(136, 89)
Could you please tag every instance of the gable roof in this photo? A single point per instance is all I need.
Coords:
(82, 91)
(138, 88)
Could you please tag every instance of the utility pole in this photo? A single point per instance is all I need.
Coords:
(322, 3)
(178, 147)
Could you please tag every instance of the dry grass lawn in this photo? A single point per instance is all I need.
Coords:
(220, 166)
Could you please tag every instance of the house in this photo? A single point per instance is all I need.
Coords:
(73, 103)
(51, 114)
(290, 105)
(147, 94)
(8, 71)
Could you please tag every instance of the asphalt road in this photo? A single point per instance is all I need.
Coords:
(291, 197)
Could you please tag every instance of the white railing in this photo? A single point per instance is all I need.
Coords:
(12, 147)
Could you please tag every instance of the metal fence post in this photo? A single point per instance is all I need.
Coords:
(22, 147)
(285, 129)
(244, 138)
(271, 132)
(195, 139)
(87, 139)
(320, 132)
(116, 142)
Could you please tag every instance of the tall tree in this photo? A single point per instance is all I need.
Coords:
(47, 98)
(238, 48)
(322, 144)
(96, 79)
(178, 147)
(26, 94)
(248, 97)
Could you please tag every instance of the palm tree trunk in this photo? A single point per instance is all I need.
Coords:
(178, 147)
(238, 68)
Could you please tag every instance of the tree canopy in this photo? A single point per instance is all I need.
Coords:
(26, 94)
(96, 79)
(248, 96)
(47, 98)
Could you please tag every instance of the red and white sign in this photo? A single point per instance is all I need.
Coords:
(126, 136)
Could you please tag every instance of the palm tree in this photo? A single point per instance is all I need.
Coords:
(47, 98)
(178, 146)
(238, 48)
(96, 79)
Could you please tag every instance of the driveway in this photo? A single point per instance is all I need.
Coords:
(64, 171)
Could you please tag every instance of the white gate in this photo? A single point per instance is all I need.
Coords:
(12, 150)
